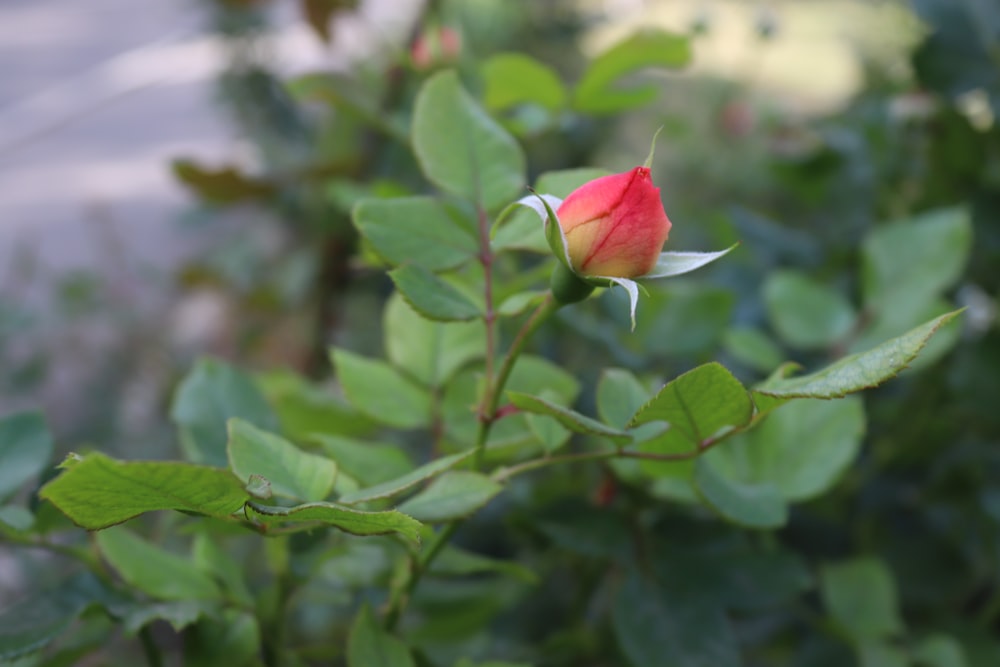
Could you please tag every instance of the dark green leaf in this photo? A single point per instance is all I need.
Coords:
(368, 462)
(416, 230)
(458, 562)
(461, 149)
(178, 613)
(382, 392)
(291, 472)
(33, 622)
(304, 408)
(939, 651)
(25, 450)
(596, 92)
(453, 495)
(233, 640)
(860, 595)
(368, 645)
(654, 627)
(432, 297)
(98, 491)
(206, 399)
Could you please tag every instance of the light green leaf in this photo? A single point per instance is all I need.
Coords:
(857, 371)
(417, 230)
(749, 505)
(571, 419)
(368, 645)
(36, 620)
(291, 472)
(801, 450)
(431, 352)
(514, 78)
(596, 92)
(396, 486)
(752, 347)
(701, 406)
(453, 495)
(620, 394)
(210, 394)
(25, 450)
(461, 149)
(860, 595)
(367, 462)
(432, 297)
(304, 408)
(382, 392)
(98, 491)
(154, 571)
(805, 313)
(347, 519)
(537, 375)
(916, 259)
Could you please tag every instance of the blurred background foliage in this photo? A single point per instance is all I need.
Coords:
(866, 200)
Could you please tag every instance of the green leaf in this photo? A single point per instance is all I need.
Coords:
(154, 571)
(33, 622)
(939, 651)
(749, 505)
(701, 406)
(304, 408)
(369, 463)
(15, 518)
(458, 562)
(860, 596)
(857, 371)
(571, 419)
(461, 149)
(914, 260)
(879, 654)
(210, 557)
(417, 230)
(453, 495)
(347, 519)
(409, 480)
(432, 297)
(431, 352)
(291, 472)
(596, 92)
(620, 394)
(98, 491)
(514, 78)
(801, 450)
(753, 348)
(805, 313)
(654, 626)
(382, 392)
(232, 640)
(25, 450)
(368, 645)
(178, 613)
(205, 400)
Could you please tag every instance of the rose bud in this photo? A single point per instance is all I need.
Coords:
(436, 46)
(615, 226)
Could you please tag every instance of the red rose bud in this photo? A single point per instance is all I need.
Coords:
(436, 46)
(615, 226)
